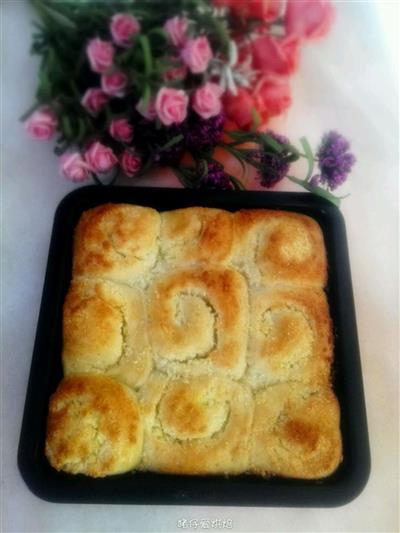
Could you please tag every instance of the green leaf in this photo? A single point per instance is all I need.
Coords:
(172, 142)
(67, 127)
(147, 58)
(55, 16)
(236, 153)
(309, 156)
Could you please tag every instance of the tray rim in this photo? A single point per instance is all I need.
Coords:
(235, 490)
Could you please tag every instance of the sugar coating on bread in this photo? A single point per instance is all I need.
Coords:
(94, 426)
(279, 247)
(197, 425)
(198, 321)
(196, 235)
(117, 242)
(296, 432)
(220, 324)
(104, 331)
(290, 337)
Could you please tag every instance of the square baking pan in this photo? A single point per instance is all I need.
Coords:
(151, 488)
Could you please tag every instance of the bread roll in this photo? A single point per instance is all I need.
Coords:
(104, 331)
(94, 427)
(296, 432)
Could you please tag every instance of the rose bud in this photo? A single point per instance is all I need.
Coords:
(171, 105)
(100, 158)
(207, 100)
(114, 84)
(131, 163)
(100, 54)
(123, 27)
(73, 167)
(196, 54)
(42, 123)
(121, 130)
(176, 29)
(94, 101)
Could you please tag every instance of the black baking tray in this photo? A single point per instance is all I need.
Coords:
(150, 488)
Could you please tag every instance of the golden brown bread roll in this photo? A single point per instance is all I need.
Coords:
(196, 426)
(117, 242)
(94, 427)
(196, 234)
(104, 331)
(198, 321)
(290, 337)
(273, 247)
(296, 432)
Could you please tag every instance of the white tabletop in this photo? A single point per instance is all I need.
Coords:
(346, 82)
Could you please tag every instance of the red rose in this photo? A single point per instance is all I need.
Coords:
(265, 10)
(238, 107)
(308, 19)
(278, 56)
(272, 96)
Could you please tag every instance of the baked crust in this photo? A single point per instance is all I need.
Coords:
(117, 242)
(196, 426)
(198, 321)
(279, 247)
(290, 337)
(196, 235)
(94, 427)
(104, 331)
(296, 432)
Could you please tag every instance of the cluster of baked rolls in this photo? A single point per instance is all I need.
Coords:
(196, 341)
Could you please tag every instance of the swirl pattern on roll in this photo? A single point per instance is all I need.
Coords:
(290, 337)
(196, 425)
(199, 316)
(94, 426)
(276, 247)
(104, 331)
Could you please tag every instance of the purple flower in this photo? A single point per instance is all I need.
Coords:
(274, 165)
(215, 178)
(334, 160)
(199, 132)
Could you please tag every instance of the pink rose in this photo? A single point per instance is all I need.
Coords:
(123, 27)
(278, 56)
(114, 83)
(272, 96)
(121, 130)
(100, 158)
(131, 163)
(100, 54)
(207, 100)
(308, 19)
(176, 29)
(147, 111)
(196, 54)
(42, 123)
(73, 167)
(94, 100)
(171, 106)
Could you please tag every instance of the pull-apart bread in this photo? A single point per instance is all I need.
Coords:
(196, 341)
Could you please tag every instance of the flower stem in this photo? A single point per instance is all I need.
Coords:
(319, 191)
(148, 62)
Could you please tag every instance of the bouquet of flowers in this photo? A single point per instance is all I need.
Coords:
(129, 86)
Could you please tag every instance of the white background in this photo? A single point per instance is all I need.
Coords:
(347, 82)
